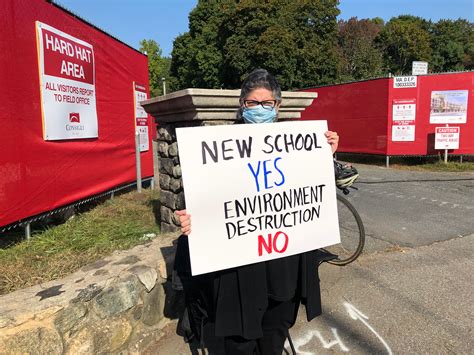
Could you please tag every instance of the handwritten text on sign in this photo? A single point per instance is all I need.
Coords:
(257, 192)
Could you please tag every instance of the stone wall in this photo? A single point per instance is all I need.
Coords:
(115, 305)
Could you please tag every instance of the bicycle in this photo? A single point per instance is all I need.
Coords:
(351, 228)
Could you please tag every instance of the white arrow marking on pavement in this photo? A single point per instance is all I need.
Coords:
(328, 345)
(306, 338)
(355, 314)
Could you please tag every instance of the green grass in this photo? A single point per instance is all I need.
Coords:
(60, 250)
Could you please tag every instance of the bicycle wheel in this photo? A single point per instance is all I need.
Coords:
(352, 234)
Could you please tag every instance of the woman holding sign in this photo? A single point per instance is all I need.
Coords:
(252, 306)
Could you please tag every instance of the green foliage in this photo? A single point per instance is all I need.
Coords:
(295, 40)
(360, 58)
(303, 45)
(453, 45)
(158, 67)
(197, 58)
(404, 39)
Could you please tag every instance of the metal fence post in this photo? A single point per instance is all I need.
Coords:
(446, 152)
(28, 231)
(138, 161)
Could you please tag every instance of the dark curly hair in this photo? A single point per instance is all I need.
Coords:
(257, 79)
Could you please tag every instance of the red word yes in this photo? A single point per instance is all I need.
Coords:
(273, 242)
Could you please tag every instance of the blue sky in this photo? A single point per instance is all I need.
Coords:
(163, 20)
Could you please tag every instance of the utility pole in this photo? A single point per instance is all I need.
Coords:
(164, 85)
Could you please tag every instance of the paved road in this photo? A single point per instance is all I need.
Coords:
(418, 301)
(409, 208)
(412, 289)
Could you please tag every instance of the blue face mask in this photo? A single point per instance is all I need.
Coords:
(259, 115)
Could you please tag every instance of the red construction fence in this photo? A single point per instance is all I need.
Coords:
(68, 110)
(398, 116)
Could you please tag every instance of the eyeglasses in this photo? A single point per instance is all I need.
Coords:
(267, 104)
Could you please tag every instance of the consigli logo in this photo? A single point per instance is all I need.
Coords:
(74, 117)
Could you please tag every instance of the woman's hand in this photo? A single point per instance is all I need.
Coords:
(333, 140)
(185, 221)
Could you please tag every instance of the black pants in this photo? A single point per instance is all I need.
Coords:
(277, 319)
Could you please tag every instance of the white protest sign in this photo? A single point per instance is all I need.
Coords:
(447, 138)
(257, 192)
(67, 80)
(404, 82)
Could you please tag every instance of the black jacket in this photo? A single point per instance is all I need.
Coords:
(235, 299)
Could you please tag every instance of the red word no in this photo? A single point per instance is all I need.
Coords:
(271, 243)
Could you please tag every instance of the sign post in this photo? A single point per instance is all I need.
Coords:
(142, 142)
(446, 152)
(138, 162)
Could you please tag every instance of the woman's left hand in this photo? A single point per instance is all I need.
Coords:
(333, 140)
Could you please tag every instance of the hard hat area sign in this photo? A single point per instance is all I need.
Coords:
(67, 85)
(447, 138)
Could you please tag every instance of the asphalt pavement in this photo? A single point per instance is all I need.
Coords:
(413, 208)
(409, 301)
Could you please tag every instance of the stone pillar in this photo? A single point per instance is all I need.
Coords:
(191, 108)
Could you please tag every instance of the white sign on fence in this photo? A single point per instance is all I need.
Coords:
(447, 138)
(449, 106)
(404, 82)
(404, 110)
(403, 133)
(403, 120)
(257, 192)
(141, 117)
(67, 79)
(419, 68)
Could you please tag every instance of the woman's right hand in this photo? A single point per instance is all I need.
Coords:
(185, 221)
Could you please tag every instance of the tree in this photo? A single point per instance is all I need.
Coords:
(295, 40)
(404, 39)
(196, 56)
(453, 45)
(158, 67)
(360, 58)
